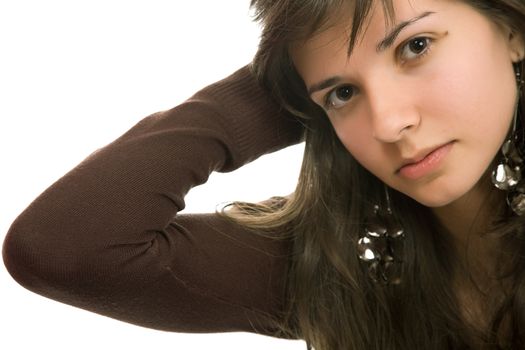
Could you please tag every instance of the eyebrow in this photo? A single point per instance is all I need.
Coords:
(324, 84)
(384, 44)
(391, 37)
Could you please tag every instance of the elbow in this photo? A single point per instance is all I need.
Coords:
(21, 258)
(33, 264)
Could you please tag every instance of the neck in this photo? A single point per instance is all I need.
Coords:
(467, 220)
(478, 289)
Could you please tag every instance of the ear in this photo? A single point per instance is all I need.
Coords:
(516, 46)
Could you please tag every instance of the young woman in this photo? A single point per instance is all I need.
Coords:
(404, 232)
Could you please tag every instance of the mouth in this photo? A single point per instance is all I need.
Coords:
(424, 161)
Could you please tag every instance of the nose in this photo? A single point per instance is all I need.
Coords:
(393, 111)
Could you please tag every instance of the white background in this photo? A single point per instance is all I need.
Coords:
(75, 75)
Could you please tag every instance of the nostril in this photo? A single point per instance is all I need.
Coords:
(392, 129)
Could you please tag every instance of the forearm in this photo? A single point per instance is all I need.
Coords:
(104, 237)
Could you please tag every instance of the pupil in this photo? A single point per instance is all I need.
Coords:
(344, 93)
(417, 45)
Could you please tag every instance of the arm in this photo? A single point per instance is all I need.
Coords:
(105, 237)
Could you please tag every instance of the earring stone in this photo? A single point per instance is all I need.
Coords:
(380, 245)
(507, 175)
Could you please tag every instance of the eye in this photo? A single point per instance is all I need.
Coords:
(338, 97)
(415, 48)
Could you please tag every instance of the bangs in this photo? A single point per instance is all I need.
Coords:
(288, 21)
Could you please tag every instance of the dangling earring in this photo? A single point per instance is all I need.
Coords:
(381, 244)
(507, 175)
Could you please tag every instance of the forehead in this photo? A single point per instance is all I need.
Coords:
(326, 48)
(379, 18)
(329, 47)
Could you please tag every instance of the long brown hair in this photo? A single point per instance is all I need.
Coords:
(331, 302)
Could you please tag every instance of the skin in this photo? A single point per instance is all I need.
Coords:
(459, 89)
(456, 87)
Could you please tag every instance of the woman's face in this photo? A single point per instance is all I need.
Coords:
(425, 110)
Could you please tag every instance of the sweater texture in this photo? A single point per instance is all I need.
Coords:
(106, 236)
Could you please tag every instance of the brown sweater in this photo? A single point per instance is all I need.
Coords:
(106, 236)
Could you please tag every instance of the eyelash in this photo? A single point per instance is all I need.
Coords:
(429, 42)
(328, 104)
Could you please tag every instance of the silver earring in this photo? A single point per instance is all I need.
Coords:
(507, 175)
(381, 244)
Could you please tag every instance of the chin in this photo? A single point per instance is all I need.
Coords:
(434, 200)
(445, 190)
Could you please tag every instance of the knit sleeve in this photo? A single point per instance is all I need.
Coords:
(106, 236)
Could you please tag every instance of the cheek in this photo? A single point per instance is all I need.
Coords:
(474, 88)
(447, 86)
(477, 100)
(355, 137)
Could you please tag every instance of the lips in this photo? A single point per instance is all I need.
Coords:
(424, 161)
